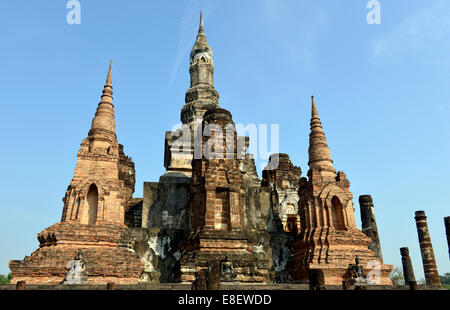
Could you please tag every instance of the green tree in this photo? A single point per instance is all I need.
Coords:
(445, 280)
(5, 279)
(396, 277)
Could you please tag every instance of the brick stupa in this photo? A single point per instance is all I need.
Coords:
(93, 214)
(217, 208)
(328, 237)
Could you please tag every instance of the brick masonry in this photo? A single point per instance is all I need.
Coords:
(328, 237)
(217, 209)
(202, 209)
(93, 214)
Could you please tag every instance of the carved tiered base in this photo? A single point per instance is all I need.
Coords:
(215, 245)
(334, 251)
(105, 261)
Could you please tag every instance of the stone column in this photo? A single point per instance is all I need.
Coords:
(447, 229)
(408, 271)
(346, 285)
(413, 286)
(20, 285)
(426, 248)
(369, 224)
(214, 273)
(200, 282)
(316, 280)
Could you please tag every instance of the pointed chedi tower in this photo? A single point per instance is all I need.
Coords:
(328, 238)
(171, 194)
(200, 97)
(93, 215)
(319, 153)
(173, 206)
(104, 177)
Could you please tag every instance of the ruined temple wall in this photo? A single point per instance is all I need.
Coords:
(114, 176)
(158, 249)
(281, 181)
(168, 205)
(106, 260)
(333, 251)
(150, 196)
(256, 216)
(165, 225)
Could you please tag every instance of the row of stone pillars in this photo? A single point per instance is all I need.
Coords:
(369, 227)
(426, 247)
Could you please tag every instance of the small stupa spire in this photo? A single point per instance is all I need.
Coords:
(104, 121)
(200, 42)
(201, 59)
(319, 152)
(109, 77)
(200, 27)
(314, 109)
(107, 89)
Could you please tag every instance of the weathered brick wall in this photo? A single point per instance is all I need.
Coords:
(93, 214)
(133, 215)
(217, 209)
(282, 178)
(105, 260)
(101, 164)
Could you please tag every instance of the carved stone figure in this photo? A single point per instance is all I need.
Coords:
(357, 271)
(76, 270)
(227, 271)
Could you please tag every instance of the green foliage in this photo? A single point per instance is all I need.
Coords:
(445, 279)
(396, 277)
(5, 279)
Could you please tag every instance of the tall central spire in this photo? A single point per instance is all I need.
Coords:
(201, 95)
(319, 152)
(201, 45)
(201, 59)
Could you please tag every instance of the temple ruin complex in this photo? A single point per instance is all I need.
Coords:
(205, 209)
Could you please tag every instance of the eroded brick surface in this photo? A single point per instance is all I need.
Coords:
(93, 214)
(328, 237)
(217, 200)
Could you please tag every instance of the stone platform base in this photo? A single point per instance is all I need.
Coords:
(60, 243)
(334, 251)
(187, 287)
(335, 274)
(211, 245)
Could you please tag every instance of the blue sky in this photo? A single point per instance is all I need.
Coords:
(382, 93)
